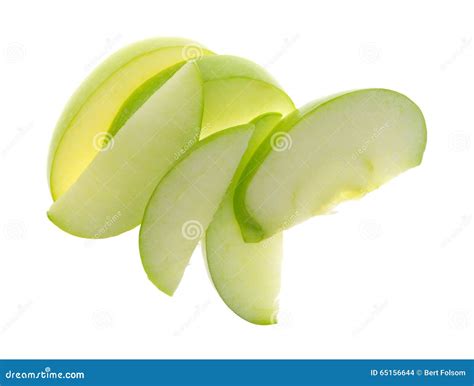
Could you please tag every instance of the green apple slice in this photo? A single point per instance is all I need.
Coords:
(110, 196)
(253, 89)
(184, 202)
(236, 91)
(329, 151)
(85, 122)
(246, 276)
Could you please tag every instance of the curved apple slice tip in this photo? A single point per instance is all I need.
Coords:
(83, 126)
(110, 196)
(330, 151)
(184, 203)
(246, 276)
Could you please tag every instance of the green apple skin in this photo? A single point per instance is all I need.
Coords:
(253, 91)
(236, 91)
(140, 96)
(329, 151)
(184, 203)
(246, 275)
(111, 194)
(117, 88)
(93, 107)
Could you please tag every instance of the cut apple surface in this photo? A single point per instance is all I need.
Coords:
(327, 152)
(246, 275)
(110, 196)
(140, 96)
(146, 140)
(236, 91)
(240, 90)
(86, 120)
(184, 203)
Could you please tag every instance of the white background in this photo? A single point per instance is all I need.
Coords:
(389, 276)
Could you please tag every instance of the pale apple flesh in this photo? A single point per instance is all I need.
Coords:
(246, 275)
(140, 96)
(235, 101)
(184, 203)
(236, 91)
(329, 151)
(145, 140)
(89, 113)
(110, 196)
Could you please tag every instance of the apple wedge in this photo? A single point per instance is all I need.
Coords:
(236, 91)
(84, 124)
(110, 196)
(329, 151)
(246, 275)
(184, 202)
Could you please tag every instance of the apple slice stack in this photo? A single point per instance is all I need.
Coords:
(195, 147)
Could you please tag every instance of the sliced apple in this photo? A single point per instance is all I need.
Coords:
(329, 151)
(91, 110)
(81, 140)
(184, 202)
(246, 276)
(236, 90)
(240, 90)
(110, 196)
